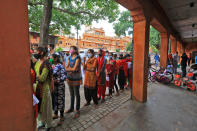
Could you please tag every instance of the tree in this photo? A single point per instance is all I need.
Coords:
(59, 49)
(154, 39)
(68, 13)
(117, 50)
(129, 47)
(46, 19)
(124, 26)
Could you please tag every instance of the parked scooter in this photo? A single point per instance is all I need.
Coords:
(186, 82)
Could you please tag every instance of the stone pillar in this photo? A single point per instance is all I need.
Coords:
(164, 49)
(15, 81)
(173, 46)
(140, 61)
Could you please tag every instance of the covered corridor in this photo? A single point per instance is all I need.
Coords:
(175, 20)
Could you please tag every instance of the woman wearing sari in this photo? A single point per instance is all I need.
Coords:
(115, 73)
(110, 70)
(90, 88)
(35, 106)
(129, 63)
(44, 77)
(74, 79)
(101, 75)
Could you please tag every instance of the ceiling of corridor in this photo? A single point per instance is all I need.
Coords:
(183, 15)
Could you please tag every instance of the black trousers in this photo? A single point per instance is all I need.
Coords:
(91, 94)
(183, 68)
(61, 113)
(121, 79)
(110, 91)
(188, 62)
(116, 86)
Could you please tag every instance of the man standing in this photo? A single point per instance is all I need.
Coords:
(175, 62)
(156, 60)
(184, 59)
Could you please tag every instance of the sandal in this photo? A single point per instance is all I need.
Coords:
(60, 121)
(77, 114)
(87, 104)
(69, 111)
(55, 117)
(117, 94)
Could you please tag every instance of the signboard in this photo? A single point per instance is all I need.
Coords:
(195, 59)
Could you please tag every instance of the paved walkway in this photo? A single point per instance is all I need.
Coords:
(89, 115)
(168, 108)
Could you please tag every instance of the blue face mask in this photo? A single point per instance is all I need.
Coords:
(89, 55)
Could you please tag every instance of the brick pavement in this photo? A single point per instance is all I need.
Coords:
(89, 115)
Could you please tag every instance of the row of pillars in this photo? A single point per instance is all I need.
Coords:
(140, 56)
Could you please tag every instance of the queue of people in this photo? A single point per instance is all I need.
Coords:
(50, 70)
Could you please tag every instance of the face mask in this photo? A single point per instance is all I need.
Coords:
(37, 56)
(89, 55)
(107, 54)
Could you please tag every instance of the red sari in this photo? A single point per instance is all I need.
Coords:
(130, 73)
(111, 71)
(125, 68)
(101, 76)
(33, 77)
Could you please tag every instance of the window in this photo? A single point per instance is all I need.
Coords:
(98, 40)
(60, 42)
(86, 38)
(97, 33)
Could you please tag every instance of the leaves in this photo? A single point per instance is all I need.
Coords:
(129, 47)
(124, 26)
(68, 13)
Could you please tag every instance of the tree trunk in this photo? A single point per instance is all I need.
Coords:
(46, 19)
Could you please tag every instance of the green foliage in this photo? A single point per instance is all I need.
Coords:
(59, 49)
(124, 25)
(154, 39)
(129, 47)
(68, 13)
(117, 50)
(154, 49)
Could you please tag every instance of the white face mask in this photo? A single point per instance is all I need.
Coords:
(89, 55)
